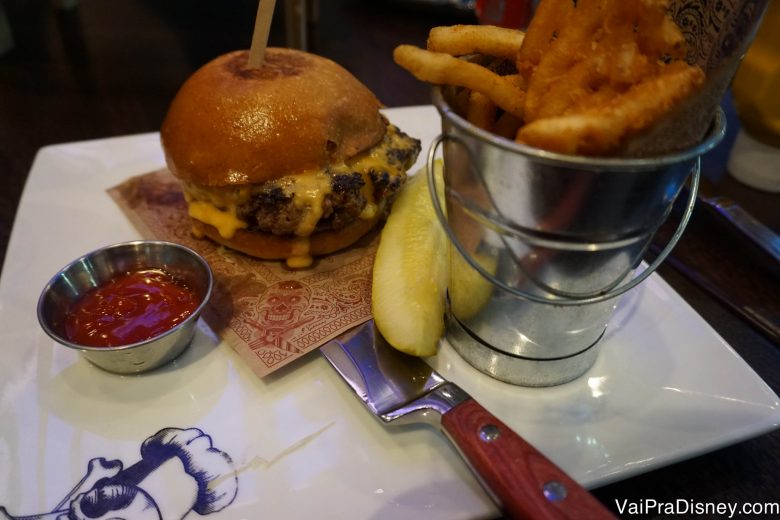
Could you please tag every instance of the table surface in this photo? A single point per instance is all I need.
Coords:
(100, 69)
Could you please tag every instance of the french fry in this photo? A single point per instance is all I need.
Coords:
(588, 81)
(517, 80)
(601, 129)
(461, 101)
(481, 111)
(586, 77)
(604, 47)
(443, 69)
(545, 26)
(462, 40)
(577, 28)
(507, 125)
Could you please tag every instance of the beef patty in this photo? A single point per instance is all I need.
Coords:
(273, 209)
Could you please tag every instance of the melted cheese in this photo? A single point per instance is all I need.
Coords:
(378, 159)
(197, 232)
(371, 161)
(225, 221)
(217, 206)
(308, 190)
(369, 211)
(299, 255)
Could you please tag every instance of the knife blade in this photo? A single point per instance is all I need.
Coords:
(398, 388)
(760, 235)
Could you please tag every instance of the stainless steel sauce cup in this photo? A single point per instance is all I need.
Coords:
(99, 267)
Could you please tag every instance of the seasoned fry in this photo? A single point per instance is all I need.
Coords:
(604, 48)
(462, 40)
(603, 74)
(586, 77)
(481, 111)
(570, 46)
(518, 80)
(545, 26)
(602, 129)
(461, 101)
(443, 69)
(658, 36)
(507, 125)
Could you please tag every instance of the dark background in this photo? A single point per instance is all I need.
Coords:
(104, 68)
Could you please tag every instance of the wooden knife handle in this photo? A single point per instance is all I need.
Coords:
(527, 484)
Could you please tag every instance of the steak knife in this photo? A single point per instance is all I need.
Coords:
(398, 388)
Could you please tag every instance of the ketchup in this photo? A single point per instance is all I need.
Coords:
(132, 307)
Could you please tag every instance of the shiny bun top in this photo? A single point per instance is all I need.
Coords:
(232, 125)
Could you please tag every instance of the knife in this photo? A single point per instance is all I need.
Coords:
(761, 235)
(398, 388)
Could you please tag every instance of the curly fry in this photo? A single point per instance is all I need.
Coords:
(481, 111)
(443, 69)
(461, 40)
(602, 129)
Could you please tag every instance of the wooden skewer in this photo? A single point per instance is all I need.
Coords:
(265, 12)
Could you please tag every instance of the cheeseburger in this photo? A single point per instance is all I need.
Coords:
(287, 161)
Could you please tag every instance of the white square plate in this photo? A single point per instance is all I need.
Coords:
(297, 444)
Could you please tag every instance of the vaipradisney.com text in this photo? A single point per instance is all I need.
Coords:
(682, 506)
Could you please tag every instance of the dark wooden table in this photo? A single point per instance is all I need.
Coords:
(104, 69)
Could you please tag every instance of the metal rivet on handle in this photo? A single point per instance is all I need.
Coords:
(554, 491)
(489, 432)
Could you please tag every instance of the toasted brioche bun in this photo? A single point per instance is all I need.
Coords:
(231, 125)
(299, 113)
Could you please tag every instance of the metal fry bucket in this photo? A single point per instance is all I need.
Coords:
(542, 244)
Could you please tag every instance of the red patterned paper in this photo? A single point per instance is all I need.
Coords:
(269, 314)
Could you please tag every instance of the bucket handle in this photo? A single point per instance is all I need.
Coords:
(616, 291)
